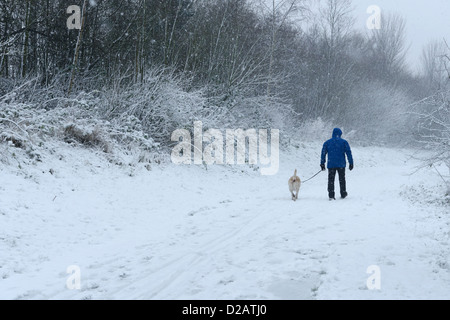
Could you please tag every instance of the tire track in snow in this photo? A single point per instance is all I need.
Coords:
(166, 280)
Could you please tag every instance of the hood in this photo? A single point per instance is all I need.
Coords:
(337, 133)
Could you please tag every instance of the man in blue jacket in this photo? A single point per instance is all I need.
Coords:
(336, 148)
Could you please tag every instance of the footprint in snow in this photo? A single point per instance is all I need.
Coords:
(226, 281)
(202, 209)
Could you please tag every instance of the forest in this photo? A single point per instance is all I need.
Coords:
(133, 71)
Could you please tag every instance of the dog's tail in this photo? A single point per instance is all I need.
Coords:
(295, 173)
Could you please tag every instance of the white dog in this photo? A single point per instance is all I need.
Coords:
(294, 185)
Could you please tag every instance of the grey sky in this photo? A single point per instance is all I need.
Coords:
(426, 20)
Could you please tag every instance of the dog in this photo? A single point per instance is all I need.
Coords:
(294, 185)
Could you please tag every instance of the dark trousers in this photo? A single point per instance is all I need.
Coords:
(342, 184)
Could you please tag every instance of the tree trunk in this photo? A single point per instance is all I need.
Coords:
(26, 40)
(4, 62)
(77, 49)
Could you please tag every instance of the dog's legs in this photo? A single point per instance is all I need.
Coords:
(293, 196)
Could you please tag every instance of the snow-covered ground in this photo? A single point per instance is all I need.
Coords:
(186, 232)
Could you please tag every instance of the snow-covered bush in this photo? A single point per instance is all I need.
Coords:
(87, 136)
(434, 131)
(379, 114)
(127, 118)
(315, 130)
(160, 104)
(261, 112)
(29, 123)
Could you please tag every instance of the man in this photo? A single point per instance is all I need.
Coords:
(336, 148)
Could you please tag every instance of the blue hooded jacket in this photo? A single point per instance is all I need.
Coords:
(336, 148)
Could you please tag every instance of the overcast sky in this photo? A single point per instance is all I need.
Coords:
(426, 20)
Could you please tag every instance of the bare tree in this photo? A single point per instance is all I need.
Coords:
(336, 22)
(434, 114)
(77, 48)
(446, 58)
(279, 11)
(435, 131)
(335, 27)
(388, 45)
(434, 64)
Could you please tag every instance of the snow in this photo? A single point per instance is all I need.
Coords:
(221, 232)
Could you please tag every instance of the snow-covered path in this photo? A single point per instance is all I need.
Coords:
(222, 233)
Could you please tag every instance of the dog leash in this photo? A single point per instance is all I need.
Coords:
(313, 176)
